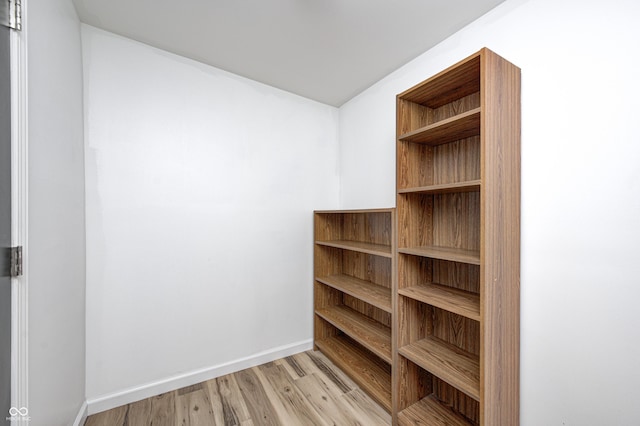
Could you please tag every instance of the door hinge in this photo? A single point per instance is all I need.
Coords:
(11, 14)
(16, 261)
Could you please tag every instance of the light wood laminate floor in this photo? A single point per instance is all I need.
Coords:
(303, 389)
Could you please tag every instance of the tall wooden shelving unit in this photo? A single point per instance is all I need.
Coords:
(354, 263)
(420, 305)
(458, 209)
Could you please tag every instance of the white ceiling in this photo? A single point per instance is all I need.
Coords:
(326, 50)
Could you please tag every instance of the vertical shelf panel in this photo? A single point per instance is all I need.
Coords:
(500, 210)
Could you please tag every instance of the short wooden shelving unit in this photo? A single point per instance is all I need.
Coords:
(354, 264)
(458, 209)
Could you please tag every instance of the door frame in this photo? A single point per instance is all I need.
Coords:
(19, 213)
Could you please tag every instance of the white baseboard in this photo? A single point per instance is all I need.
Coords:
(127, 396)
(82, 415)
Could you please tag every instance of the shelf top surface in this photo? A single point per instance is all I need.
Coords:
(371, 334)
(451, 299)
(442, 188)
(355, 211)
(454, 128)
(371, 293)
(359, 246)
(444, 253)
(431, 412)
(453, 365)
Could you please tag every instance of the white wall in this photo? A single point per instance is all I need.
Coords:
(200, 191)
(580, 184)
(56, 239)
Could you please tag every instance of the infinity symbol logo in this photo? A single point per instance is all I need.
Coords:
(13, 411)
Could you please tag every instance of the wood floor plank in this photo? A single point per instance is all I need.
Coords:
(366, 409)
(211, 388)
(193, 408)
(316, 362)
(284, 415)
(235, 411)
(293, 400)
(139, 413)
(302, 364)
(331, 385)
(291, 366)
(163, 409)
(114, 417)
(320, 397)
(261, 409)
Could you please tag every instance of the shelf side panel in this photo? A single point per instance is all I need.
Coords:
(416, 383)
(326, 261)
(500, 292)
(411, 116)
(324, 297)
(327, 226)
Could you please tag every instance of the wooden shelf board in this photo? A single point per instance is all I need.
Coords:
(444, 188)
(359, 246)
(355, 211)
(444, 253)
(361, 366)
(431, 412)
(444, 297)
(371, 334)
(451, 364)
(452, 129)
(369, 292)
